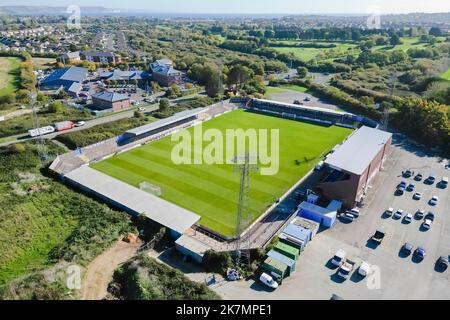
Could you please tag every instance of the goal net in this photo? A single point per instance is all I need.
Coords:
(150, 188)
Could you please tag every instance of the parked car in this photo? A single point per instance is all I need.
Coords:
(408, 218)
(444, 183)
(407, 248)
(389, 212)
(420, 214)
(268, 281)
(338, 258)
(347, 217)
(408, 173)
(434, 200)
(354, 212)
(400, 190)
(364, 269)
(378, 236)
(307, 99)
(420, 253)
(80, 123)
(398, 214)
(418, 177)
(442, 263)
(417, 196)
(410, 187)
(431, 179)
(346, 268)
(402, 184)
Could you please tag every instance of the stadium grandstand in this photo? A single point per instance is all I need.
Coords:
(322, 115)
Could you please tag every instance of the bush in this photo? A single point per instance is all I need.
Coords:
(56, 107)
(217, 262)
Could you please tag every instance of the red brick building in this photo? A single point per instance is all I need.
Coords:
(110, 100)
(350, 169)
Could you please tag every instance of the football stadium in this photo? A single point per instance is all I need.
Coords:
(211, 191)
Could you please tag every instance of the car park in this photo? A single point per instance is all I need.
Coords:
(434, 200)
(398, 214)
(442, 263)
(420, 214)
(407, 248)
(338, 258)
(418, 177)
(420, 253)
(408, 218)
(417, 196)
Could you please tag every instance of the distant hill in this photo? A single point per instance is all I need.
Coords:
(45, 10)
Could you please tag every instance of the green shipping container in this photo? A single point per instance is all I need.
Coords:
(287, 250)
(272, 265)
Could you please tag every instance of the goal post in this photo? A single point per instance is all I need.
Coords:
(150, 188)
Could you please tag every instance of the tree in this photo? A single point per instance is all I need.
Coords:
(238, 76)
(164, 105)
(395, 40)
(302, 72)
(56, 107)
(214, 86)
(23, 96)
(155, 87)
(435, 31)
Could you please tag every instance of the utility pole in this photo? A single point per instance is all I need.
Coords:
(242, 252)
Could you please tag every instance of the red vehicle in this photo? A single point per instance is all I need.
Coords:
(64, 125)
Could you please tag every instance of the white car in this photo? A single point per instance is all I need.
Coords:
(427, 224)
(364, 269)
(141, 109)
(434, 200)
(408, 218)
(398, 214)
(417, 196)
(389, 212)
(80, 123)
(268, 281)
(339, 258)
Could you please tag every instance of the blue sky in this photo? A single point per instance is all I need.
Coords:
(254, 6)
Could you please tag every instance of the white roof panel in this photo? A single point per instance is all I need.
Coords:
(356, 153)
(155, 208)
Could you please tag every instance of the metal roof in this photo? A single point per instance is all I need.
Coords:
(298, 232)
(282, 258)
(356, 153)
(109, 96)
(303, 107)
(74, 74)
(163, 122)
(134, 199)
(192, 245)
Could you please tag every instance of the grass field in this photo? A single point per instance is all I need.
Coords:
(212, 190)
(306, 54)
(446, 74)
(9, 75)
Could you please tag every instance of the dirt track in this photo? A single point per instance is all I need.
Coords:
(100, 271)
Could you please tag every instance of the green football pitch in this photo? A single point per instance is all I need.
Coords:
(212, 191)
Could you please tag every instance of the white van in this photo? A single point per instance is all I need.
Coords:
(268, 281)
(339, 258)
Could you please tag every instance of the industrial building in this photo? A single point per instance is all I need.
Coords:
(350, 168)
(69, 79)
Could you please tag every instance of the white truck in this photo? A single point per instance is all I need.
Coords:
(41, 131)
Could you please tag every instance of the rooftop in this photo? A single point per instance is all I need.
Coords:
(163, 122)
(74, 74)
(192, 245)
(356, 153)
(109, 96)
(136, 200)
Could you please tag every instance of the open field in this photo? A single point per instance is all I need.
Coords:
(308, 53)
(42, 63)
(212, 190)
(9, 75)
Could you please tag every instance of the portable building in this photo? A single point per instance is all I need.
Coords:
(307, 224)
(287, 250)
(282, 258)
(275, 268)
(324, 216)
